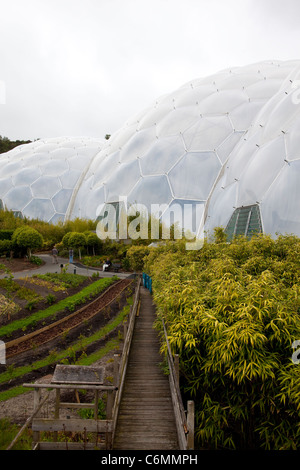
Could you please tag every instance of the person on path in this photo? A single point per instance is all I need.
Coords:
(106, 264)
(54, 255)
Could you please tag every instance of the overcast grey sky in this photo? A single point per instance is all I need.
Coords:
(82, 67)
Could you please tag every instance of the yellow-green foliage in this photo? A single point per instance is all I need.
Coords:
(232, 313)
(136, 255)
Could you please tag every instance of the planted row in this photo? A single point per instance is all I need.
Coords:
(74, 354)
(69, 303)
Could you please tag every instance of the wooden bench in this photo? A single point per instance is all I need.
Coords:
(115, 267)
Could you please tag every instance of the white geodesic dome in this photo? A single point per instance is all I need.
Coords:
(41, 179)
(263, 170)
(177, 150)
(225, 145)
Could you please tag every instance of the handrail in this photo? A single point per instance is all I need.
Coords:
(184, 424)
(125, 354)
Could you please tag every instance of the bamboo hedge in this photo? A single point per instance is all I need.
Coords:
(232, 313)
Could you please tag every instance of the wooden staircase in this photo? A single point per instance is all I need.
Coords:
(146, 417)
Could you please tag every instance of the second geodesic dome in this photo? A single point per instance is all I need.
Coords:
(219, 143)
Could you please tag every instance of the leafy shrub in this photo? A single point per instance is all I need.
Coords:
(31, 304)
(5, 247)
(136, 255)
(89, 414)
(27, 238)
(93, 261)
(50, 299)
(232, 312)
(6, 234)
(36, 260)
(65, 240)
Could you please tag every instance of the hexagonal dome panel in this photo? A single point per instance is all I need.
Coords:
(39, 209)
(151, 190)
(283, 197)
(5, 185)
(138, 145)
(26, 176)
(192, 177)
(162, 156)
(46, 187)
(122, 180)
(54, 167)
(17, 198)
(207, 133)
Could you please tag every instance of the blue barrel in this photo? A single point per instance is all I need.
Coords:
(147, 282)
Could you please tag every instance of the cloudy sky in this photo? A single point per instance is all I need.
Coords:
(83, 67)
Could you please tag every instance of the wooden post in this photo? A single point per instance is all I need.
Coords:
(96, 404)
(109, 408)
(36, 403)
(56, 412)
(116, 369)
(176, 365)
(190, 424)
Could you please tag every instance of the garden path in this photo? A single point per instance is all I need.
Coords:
(50, 267)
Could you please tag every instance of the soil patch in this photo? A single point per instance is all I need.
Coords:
(70, 322)
(18, 264)
(43, 293)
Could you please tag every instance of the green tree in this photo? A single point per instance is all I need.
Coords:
(93, 241)
(6, 144)
(77, 240)
(66, 240)
(27, 238)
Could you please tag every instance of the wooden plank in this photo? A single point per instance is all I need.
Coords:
(77, 405)
(72, 374)
(191, 424)
(69, 446)
(71, 387)
(146, 418)
(72, 425)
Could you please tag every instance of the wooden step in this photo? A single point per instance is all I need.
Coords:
(146, 417)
